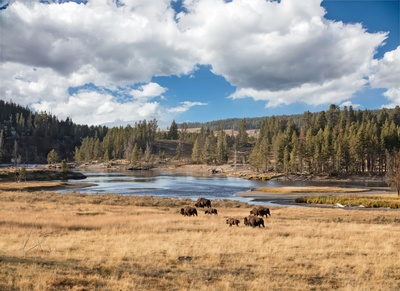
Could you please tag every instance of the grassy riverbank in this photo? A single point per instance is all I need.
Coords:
(310, 189)
(73, 241)
(371, 201)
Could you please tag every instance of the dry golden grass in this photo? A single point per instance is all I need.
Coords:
(311, 189)
(31, 185)
(73, 241)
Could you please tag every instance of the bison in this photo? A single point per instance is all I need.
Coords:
(203, 202)
(253, 221)
(211, 211)
(189, 211)
(260, 211)
(232, 221)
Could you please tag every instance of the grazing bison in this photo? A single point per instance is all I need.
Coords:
(260, 211)
(211, 211)
(253, 221)
(203, 202)
(232, 221)
(189, 211)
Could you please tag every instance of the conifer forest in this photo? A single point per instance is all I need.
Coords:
(337, 141)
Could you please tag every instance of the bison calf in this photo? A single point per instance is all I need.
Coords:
(189, 211)
(232, 221)
(211, 211)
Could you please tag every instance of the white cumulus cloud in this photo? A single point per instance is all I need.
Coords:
(281, 52)
(386, 74)
(149, 90)
(278, 52)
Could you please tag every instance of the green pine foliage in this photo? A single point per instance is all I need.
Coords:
(339, 141)
(334, 142)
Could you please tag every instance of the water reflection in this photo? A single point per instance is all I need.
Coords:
(191, 185)
(342, 183)
(167, 184)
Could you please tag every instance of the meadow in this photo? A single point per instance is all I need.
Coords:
(52, 241)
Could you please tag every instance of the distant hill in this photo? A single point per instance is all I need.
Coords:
(253, 123)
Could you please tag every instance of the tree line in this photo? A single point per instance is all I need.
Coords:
(336, 141)
(28, 137)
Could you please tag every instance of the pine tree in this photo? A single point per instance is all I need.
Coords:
(392, 177)
(243, 137)
(209, 149)
(196, 151)
(222, 147)
(173, 131)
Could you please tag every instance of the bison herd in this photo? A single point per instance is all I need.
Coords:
(254, 219)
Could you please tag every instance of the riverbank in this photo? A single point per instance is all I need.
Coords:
(265, 195)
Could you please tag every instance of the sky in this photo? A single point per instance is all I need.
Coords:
(116, 62)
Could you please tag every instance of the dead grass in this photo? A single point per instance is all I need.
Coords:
(369, 201)
(29, 186)
(311, 189)
(53, 241)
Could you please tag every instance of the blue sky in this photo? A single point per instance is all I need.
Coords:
(117, 62)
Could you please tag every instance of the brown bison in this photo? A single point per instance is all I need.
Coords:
(189, 211)
(253, 221)
(211, 211)
(260, 211)
(203, 202)
(232, 221)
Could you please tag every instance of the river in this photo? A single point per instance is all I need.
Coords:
(164, 183)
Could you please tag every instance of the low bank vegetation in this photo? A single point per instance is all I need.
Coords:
(310, 189)
(352, 200)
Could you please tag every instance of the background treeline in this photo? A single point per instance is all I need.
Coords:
(336, 141)
(27, 137)
(332, 142)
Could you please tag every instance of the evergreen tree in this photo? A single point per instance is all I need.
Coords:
(222, 147)
(196, 151)
(294, 154)
(393, 174)
(209, 150)
(173, 131)
(243, 137)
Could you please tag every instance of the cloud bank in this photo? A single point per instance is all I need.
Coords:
(109, 51)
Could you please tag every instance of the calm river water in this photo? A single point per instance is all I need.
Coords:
(180, 184)
(166, 184)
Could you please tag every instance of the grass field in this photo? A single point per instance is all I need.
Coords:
(53, 241)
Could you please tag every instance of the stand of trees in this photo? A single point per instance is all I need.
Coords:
(332, 142)
(28, 137)
(119, 143)
(336, 141)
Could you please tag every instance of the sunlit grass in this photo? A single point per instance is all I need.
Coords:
(310, 189)
(23, 186)
(353, 200)
(54, 241)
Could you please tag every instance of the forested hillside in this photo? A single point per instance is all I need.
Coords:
(332, 142)
(336, 141)
(27, 137)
